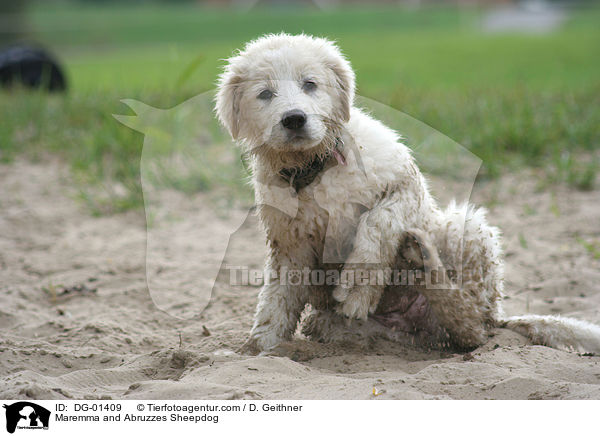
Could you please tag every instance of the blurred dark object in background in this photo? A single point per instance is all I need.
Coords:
(31, 67)
(24, 64)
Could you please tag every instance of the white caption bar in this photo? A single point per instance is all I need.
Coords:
(149, 417)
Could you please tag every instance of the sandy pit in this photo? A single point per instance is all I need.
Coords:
(77, 320)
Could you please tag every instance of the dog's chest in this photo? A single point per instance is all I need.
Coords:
(322, 217)
(334, 221)
(315, 222)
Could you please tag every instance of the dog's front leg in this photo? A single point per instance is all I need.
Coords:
(280, 304)
(375, 247)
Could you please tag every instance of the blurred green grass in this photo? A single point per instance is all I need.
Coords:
(512, 99)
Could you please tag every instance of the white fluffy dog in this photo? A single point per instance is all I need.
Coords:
(361, 204)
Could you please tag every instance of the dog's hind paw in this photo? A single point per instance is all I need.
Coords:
(417, 248)
(356, 302)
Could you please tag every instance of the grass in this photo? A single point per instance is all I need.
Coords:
(512, 99)
(522, 241)
(592, 247)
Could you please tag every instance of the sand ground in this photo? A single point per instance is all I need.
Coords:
(106, 338)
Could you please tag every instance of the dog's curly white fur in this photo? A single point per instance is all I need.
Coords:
(373, 203)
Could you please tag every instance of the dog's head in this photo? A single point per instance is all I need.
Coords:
(286, 93)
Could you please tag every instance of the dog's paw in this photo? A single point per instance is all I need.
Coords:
(250, 348)
(262, 339)
(356, 302)
(417, 248)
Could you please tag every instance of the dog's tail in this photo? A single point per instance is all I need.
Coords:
(557, 332)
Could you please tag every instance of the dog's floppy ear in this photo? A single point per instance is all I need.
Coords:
(344, 84)
(228, 101)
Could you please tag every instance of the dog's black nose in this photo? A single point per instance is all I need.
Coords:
(294, 119)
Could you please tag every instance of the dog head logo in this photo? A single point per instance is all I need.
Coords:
(26, 415)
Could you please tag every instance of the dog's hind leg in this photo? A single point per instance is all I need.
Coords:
(454, 307)
(468, 242)
(465, 263)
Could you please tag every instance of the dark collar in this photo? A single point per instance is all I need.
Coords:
(300, 177)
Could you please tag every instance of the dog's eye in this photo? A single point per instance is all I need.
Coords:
(267, 94)
(309, 86)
